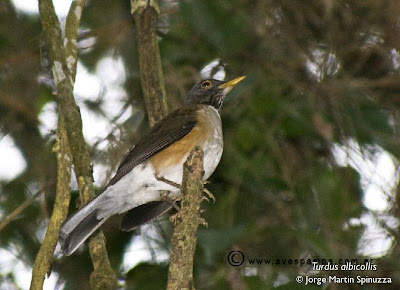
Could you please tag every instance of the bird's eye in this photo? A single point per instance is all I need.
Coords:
(206, 84)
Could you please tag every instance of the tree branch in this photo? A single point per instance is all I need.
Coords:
(180, 276)
(145, 13)
(20, 209)
(71, 35)
(187, 220)
(43, 259)
(64, 67)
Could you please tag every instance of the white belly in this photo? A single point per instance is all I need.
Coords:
(213, 151)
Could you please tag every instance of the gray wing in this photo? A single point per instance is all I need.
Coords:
(169, 130)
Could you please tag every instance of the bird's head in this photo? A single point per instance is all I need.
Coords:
(211, 92)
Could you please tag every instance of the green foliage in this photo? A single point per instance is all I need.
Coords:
(147, 276)
(212, 21)
(213, 243)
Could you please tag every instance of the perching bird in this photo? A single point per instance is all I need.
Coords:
(159, 156)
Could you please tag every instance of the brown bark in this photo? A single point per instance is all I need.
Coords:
(43, 259)
(145, 14)
(64, 59)
(187, 220)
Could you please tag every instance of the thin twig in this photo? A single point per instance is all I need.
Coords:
(20, 209)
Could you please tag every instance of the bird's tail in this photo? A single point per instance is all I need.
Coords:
(80, 226)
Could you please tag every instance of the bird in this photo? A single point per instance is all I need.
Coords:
(155, 165)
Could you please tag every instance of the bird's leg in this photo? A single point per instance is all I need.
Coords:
(165, 196)
(165, 193)
(167, 181)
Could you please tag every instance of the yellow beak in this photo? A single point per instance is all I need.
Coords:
(231, 83)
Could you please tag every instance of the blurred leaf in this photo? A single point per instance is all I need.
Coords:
(254, 282)
(147, 276)
(210, 21)
(315, 242)
(297, 122)
(370, 122)
(45, 96)
(213, 242)
(202, 18)
(339, 193)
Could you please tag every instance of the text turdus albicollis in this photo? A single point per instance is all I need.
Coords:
(136, 187)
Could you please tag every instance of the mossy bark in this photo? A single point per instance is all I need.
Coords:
(187, 220)
(63, 55)
(42, 265)
(145, 14)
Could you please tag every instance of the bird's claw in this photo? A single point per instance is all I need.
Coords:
(203, 222)
(174, 218)
(209, 195)
(205, 198)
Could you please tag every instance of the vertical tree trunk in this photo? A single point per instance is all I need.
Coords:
(187, 220)
(43, 259)
(145, 14)
(103, 277)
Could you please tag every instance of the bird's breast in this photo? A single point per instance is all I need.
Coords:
(213, 144)
(207, 134)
